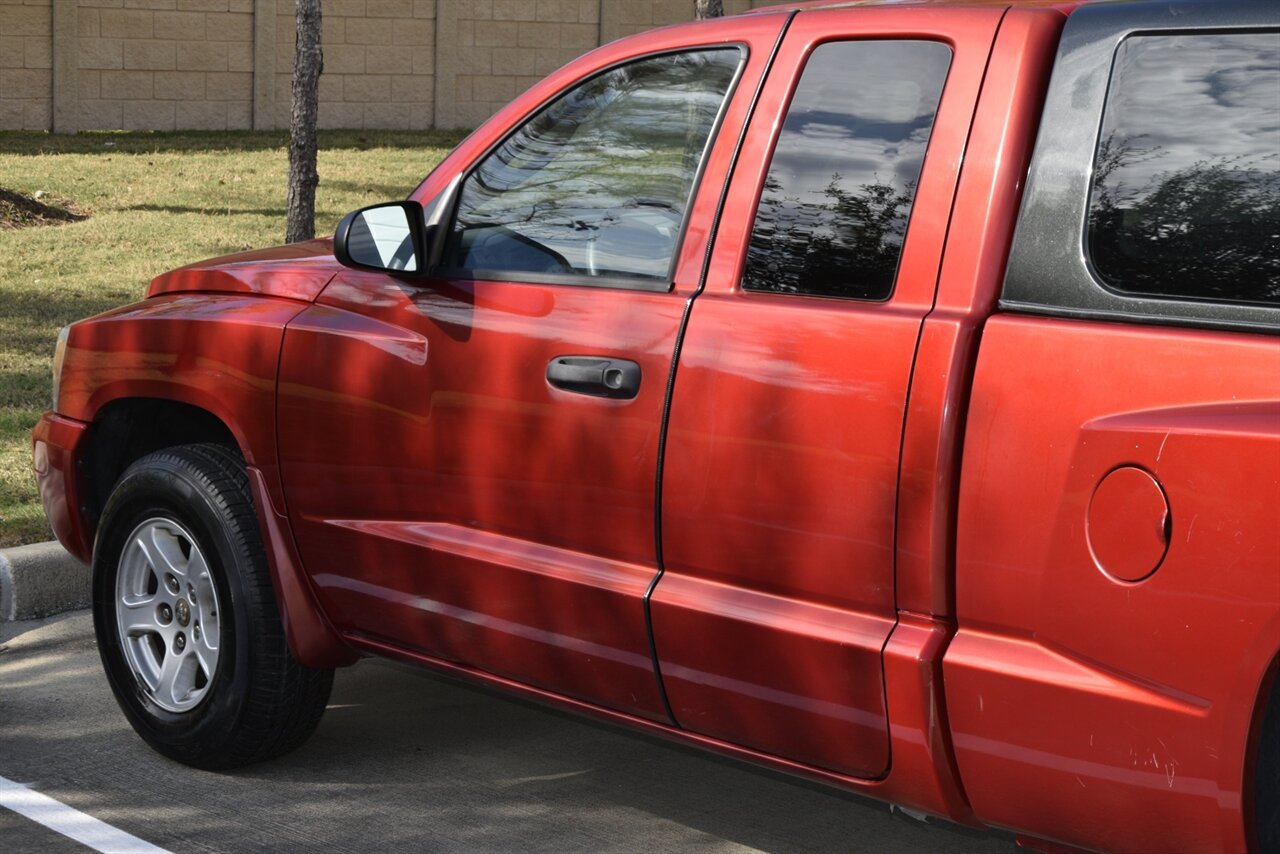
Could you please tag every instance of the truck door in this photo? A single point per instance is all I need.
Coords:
(462, 486)
(781, 471)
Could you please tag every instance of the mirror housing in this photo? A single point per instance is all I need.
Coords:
(388, 237)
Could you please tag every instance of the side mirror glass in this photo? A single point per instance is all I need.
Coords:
(385, 237)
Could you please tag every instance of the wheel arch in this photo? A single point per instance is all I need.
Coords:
(126, 429)
(1262, 766)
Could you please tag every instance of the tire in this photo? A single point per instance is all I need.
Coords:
(186, 619)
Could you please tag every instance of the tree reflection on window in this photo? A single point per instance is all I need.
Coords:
(833, 212)
(1185, 200)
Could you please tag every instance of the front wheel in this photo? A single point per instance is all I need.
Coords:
(186, 619)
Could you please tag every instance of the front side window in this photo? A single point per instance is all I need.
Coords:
(833, 213)
(1185, 200)
(596, 185)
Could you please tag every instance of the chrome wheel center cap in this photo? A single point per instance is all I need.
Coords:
(183, 610)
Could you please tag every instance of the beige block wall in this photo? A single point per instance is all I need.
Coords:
(626, 17)
(508, 45)
(26, 64)
(379, 63)
(164, 64)
(180, 64)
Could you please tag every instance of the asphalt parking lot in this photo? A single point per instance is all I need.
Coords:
(406, 761)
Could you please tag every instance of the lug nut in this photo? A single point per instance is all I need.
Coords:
(180, 642)
(165, 613)
(171, 583)
(195, 632)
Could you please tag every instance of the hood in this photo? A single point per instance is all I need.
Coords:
(296, 271)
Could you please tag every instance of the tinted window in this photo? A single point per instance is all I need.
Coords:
(833, 212)
(597, 183)
(1186, 192)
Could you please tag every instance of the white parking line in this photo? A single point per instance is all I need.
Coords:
(71, 823)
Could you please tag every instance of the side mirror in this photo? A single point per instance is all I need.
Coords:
(387, 237)
(395, 237)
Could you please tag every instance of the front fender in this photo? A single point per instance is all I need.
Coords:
(219, 353)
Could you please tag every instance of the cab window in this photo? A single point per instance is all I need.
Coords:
(594, 188)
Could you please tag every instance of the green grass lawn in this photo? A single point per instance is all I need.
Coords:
(155, 201)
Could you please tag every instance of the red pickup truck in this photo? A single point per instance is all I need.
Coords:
(886, 393)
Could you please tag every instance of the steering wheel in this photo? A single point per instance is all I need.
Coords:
(646, 231)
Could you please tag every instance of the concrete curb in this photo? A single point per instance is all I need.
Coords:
(41, 580)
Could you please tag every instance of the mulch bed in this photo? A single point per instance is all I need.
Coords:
(18, 210)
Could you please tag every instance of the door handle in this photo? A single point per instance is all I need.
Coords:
(595, 375)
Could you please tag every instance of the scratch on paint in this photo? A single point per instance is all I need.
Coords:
(1170, 767)
(1164, 442)
(1081, 782)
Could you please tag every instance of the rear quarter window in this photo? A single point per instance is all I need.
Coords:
(1185, 198)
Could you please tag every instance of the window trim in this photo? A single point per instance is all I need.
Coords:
(1049, 271)
(633, 283)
